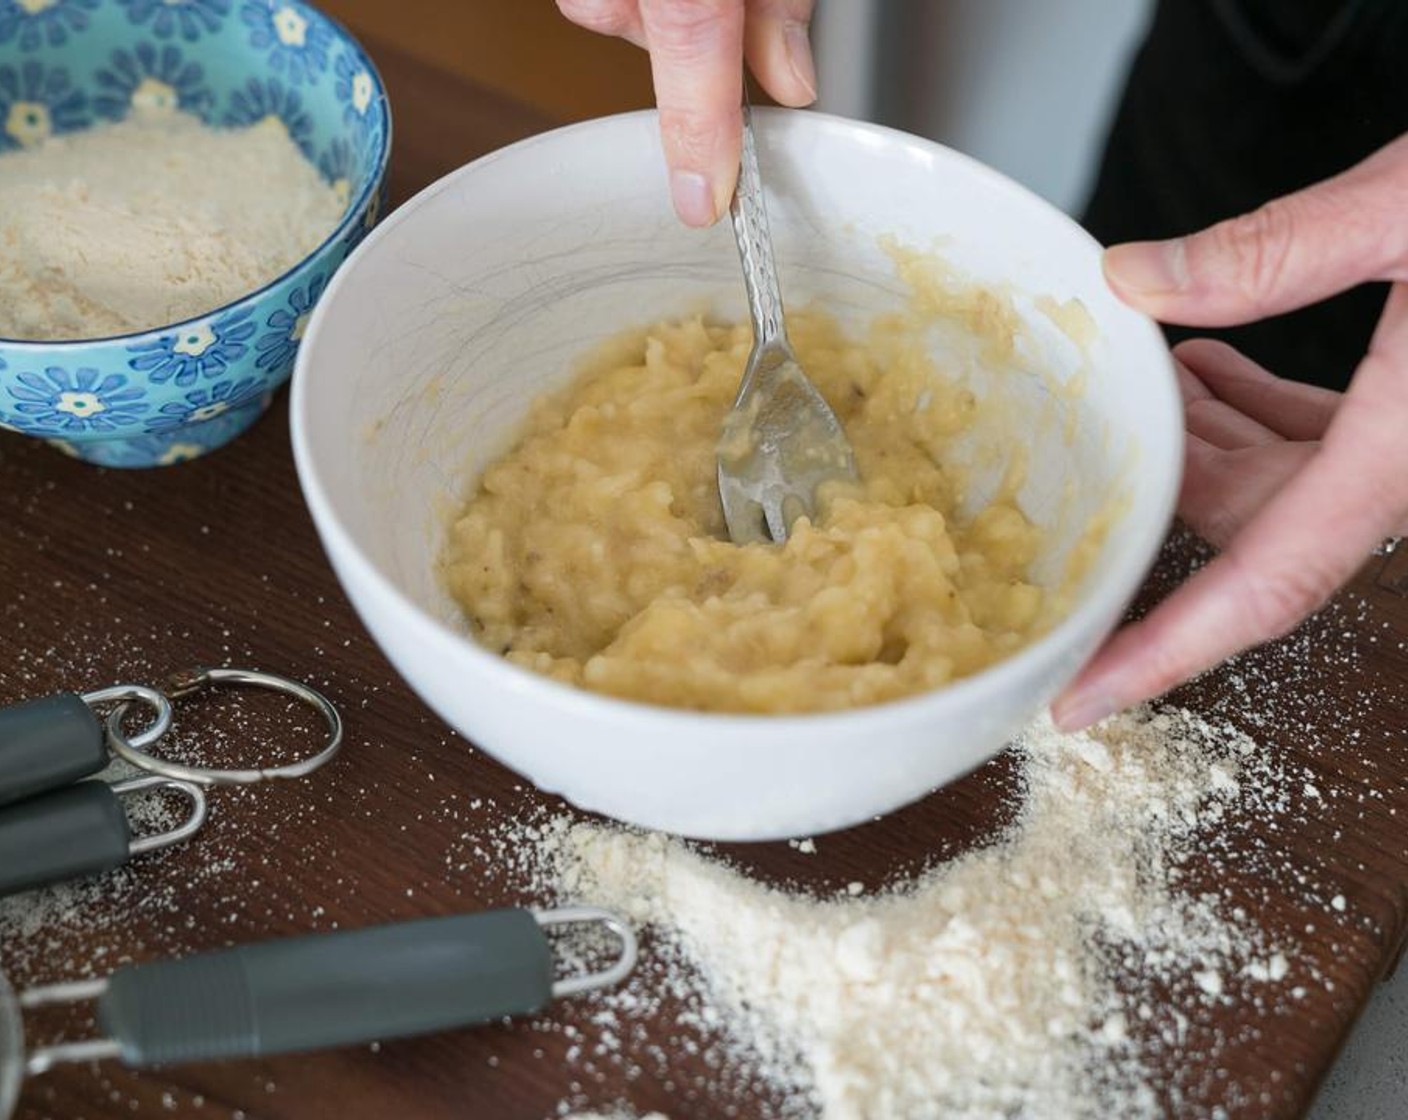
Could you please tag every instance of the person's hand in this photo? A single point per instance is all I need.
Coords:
(697, 49)
(1297, 484)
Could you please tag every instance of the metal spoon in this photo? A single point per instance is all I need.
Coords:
(781, 441)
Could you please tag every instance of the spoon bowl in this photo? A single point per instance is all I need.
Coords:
(781, 441)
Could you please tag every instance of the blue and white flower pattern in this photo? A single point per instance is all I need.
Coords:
(5, 424)
(31, 24)
(158, 449)
(297, 39)
(202, 349)
(278, 348)
(153, 79)
(201, 405)
(354, 87)
(36, 102)
(260, 101)
(189, 18)
(339, 168)
(376, 206)
(177, 393)
(86, 400)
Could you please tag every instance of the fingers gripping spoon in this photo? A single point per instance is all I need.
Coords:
(781, 441)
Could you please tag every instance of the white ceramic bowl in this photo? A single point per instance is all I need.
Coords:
(479, 294)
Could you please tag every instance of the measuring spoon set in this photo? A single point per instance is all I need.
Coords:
(59, 821)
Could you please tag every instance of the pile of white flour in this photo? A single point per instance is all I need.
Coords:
(995, 985)
(130, 226)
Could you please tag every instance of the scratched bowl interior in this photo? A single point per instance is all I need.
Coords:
(178, 391)
(480, 294)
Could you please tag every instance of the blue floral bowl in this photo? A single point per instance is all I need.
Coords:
(174, 393)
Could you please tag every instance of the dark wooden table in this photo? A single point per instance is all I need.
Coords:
(108, 576)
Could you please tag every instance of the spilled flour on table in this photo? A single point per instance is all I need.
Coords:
(1202, 1017)
(995, 985)
(616, 1115)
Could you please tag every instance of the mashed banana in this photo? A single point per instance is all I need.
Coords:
(595, 550)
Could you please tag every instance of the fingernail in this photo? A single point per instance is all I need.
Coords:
(694, 199)
(1148, 267)
(1077, 712)
(799, 54)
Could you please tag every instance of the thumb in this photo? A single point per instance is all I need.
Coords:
(1294, 251)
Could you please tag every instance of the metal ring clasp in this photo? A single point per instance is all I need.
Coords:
(186, 683)
(156, 701)
(184, 831)
(604, 978)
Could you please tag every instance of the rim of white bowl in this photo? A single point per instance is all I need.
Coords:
(1108, 600)
(355, 207)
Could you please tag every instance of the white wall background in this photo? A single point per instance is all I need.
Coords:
(1024, 85)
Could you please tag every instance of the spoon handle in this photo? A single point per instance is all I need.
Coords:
(330, 989)
(750, 229)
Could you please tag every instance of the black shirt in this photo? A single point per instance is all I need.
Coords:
(1233, 102)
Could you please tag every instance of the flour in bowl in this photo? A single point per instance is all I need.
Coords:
(160, 218)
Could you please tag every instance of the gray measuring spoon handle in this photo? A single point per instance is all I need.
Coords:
(328, 990)
(82, 830)
(47, 744)
(750, 229)
(78, 831)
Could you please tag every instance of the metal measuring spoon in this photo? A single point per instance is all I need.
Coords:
(781, 441)
(313, 992)
(55, 827)
(84, 830)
